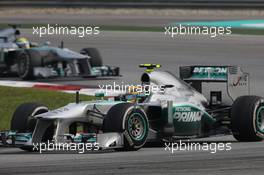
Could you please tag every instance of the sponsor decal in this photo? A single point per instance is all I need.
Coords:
(213, 70)
(210, 72)
(187, 114)
(240, 81)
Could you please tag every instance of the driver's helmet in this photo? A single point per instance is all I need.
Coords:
(135, 93)
(23, 43)
(134, 90)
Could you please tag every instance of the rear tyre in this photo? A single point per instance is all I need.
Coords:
(129, 120)
(96, 59)
(25, 66)
(247, 118)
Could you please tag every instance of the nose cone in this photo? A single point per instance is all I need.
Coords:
(72, 110)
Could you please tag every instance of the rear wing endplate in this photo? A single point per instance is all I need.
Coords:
(229, 80)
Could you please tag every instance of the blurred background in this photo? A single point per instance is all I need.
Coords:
(132, 32)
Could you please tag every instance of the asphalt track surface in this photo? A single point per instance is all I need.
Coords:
(243, 158)
(127, 50)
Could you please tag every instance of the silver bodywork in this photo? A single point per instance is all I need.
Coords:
(7, 35)
(84, 111)
(43, 61)
(7, 44)
(179, 92)
(50, 55)
(77, 112)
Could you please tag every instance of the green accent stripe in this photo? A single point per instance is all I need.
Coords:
(254, 24)
(259, 123)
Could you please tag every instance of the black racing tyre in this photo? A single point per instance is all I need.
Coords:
(129, 120)
(247, 118)
(25, 68)
(96, 59)
(22, 120)
(28, 148)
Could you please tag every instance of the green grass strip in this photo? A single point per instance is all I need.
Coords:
(11, 97)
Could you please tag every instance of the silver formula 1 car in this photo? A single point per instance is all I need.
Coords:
(29, 60)
(204, 101)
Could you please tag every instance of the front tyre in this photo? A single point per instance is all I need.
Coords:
(23, 121)
(131, 121)
(247, 118)
(95, 57)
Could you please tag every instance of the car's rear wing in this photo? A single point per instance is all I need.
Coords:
(204, 73)
(218, 83)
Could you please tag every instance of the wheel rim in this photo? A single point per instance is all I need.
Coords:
(22, 66)
(260, 119)
(136, 126)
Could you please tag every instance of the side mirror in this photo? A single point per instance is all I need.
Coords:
(168, 86)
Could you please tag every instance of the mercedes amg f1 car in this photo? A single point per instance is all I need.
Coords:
(29, 60)
(204, 101)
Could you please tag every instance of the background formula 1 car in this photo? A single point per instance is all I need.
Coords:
(28, 60)
(217, 102)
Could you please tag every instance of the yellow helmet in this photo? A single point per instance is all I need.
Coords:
(23, 43)
(134, 90)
